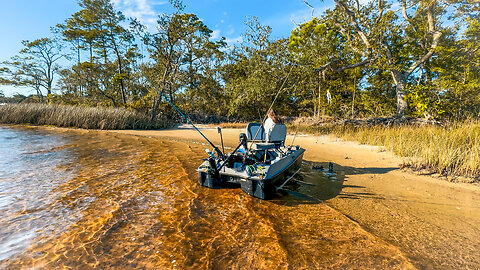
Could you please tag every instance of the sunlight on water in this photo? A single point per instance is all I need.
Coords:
(96, 199)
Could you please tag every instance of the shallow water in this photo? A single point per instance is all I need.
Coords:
(30, 169)
(86, 199)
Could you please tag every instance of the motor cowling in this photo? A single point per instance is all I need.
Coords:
(210, 177)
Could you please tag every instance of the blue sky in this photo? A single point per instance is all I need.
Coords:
(32, 19)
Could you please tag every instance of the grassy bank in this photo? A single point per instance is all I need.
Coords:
(451, 150)
(78, 117)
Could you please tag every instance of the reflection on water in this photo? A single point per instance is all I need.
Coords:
(95, 199)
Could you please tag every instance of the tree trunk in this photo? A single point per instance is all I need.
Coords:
(91, 52)
(78, 52)
(400, 82)
(319, 101)
(353, 100)
(155, 104)
(49, 78)
(120, 71)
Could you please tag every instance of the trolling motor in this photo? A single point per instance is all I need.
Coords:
(243, 140)
(209, 176)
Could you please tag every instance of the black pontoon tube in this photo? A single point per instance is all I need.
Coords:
(219, 153)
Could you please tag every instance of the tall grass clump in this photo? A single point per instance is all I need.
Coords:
(78, 117)
(449, 150)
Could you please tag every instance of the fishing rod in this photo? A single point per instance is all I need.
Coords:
(271, 105)
(219, 153)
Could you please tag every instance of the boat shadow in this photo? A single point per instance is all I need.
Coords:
(315, 183)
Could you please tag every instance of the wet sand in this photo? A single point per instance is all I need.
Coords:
(134, 202)
(436, 224)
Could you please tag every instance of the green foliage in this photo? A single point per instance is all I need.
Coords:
(185, 64)
(98, 29)
(458, 69)
(34, 67)
(375, 59)
(256, 73)
(424, 101)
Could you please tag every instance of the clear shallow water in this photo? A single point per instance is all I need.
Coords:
(87, 199)
(30, 169)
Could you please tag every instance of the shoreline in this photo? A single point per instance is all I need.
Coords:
(230, 142)
(153, 182)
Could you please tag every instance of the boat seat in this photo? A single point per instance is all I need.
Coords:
(264, 146)
(276, 138)
(252, 129)
(278, 134)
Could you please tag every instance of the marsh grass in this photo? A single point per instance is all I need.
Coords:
(230, 125)
(77, 117)
(451, 150)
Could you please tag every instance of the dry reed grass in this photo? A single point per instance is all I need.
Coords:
(230, 125)
(78, 117)
(451, 150)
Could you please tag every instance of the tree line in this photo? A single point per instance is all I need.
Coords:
(381, 58)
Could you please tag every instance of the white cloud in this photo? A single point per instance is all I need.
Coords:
(304, 15)
(215, 34)
(143, 10)
(291, 20)
(364, 2)
(231, 30)
(231, 41)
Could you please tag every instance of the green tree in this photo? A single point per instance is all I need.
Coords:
(259, 71)
(320, 46)
(456, 87)
(34, 67)
(112, 51)
(376, 37)
(184, 59)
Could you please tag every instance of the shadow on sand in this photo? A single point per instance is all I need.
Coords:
(316, 184)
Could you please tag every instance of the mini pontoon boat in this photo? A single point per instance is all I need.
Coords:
(259, 165)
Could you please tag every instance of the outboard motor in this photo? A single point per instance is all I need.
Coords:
(243, 140)
(210, 176)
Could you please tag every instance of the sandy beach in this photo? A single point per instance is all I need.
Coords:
(434, 222)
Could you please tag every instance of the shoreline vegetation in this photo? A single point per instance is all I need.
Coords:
(451, 150)
(78, 117)
(348, 62)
